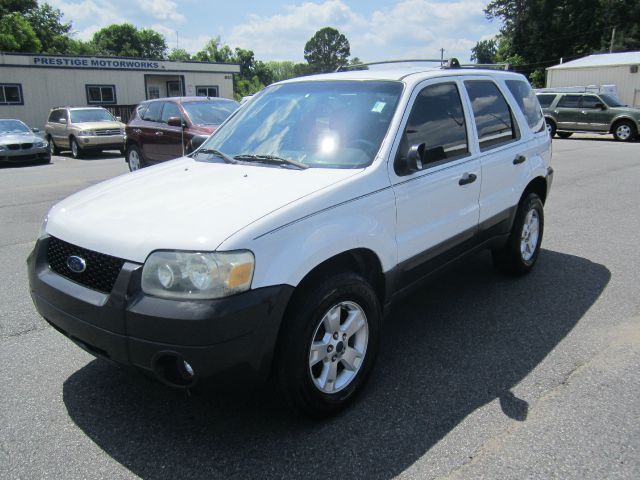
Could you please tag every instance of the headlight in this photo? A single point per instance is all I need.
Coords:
(2, 148)
(43, 227)
(86, 133)
(197, 275)
(44, 144)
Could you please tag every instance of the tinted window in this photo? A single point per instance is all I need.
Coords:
(437, 120)
(152, 114)
(569, 101)
(170, 110)
(56, 115)
(210, 113)
(328, 124)
(546, 99)
(590, 101)
(494, 121)
(528, 103)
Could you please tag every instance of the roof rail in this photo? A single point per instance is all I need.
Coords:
(450, 63)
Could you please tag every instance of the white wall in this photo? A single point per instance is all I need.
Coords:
(628, 84)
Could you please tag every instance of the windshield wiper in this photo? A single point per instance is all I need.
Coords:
(271, 159)
(217, 153)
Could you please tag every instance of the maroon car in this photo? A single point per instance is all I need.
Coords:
(168, 128)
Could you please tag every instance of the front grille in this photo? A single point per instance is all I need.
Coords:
(14, 146)
(103, 132)
(101, 270)
(27, 146)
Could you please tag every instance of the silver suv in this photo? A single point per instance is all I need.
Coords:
(81, 129)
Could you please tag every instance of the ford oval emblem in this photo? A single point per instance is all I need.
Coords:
(76, 264)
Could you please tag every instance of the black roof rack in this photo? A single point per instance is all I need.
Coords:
(450, 63)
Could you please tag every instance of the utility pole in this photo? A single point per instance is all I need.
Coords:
(613, 34)
(177, 40)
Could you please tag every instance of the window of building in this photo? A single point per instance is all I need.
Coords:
(494, 121)
(437, 120)
(153, 91)
(101, 94)
(170, 110)
(526, 100)
(569, 101)
(206, 91)
(11, 94)
(546, 99)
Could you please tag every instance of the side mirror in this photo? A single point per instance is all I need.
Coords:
(176, 122)
(35, 130)
(118, 119)
(415, 158)
(600, 106)
(62, 120)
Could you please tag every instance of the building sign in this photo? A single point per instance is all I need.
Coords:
(84, 62)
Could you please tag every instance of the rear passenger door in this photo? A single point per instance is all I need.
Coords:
(150, 122)
(594, 117)
(503, 153)
(437, 207)
(169, 138)
(567, 112)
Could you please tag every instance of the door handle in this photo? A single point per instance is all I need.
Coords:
(158, 134)
(467, 178)
(519, 159)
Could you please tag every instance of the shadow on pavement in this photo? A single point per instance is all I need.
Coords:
(462, 342)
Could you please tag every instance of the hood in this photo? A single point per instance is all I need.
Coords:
(11, 138)
(629, 110)
(182, 204)
(99, 125)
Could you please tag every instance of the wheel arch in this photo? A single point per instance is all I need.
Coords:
(538, 186)
(619, 119)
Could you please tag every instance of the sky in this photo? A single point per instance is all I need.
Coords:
(279, 29)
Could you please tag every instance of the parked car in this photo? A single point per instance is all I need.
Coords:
(21, 144)
(568, 113)
(168, 128)
(273, 250)
(83, 129)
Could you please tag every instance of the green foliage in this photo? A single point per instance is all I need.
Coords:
(17, 35)
(327, 50)
(16, 6)
(484, 51)
(47, 25)
(179, 55)
(536, 34)
(125, 40)
(215, 51)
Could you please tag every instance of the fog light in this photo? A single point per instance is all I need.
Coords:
(86, 140)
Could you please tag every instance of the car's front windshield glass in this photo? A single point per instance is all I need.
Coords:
(13, 126)
(611, 101)
(330, 124)
(210, 113)
(91, 115)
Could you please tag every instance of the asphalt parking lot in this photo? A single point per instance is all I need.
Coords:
(479, 375)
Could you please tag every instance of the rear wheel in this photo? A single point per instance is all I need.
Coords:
(624, 131)
(520, 253)
(53, 149)
(565, 134)
(134, 158)
(328, 344)
(76, 151)
(551, 127)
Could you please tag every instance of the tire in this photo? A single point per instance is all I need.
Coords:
(304, 372)
(123, 151)
(76, 150)
(551, 127)
(53, 148)
(624, 131)
(134, 159)
(564, 134)
(521, 251)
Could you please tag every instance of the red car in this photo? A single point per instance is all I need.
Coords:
(168, 128)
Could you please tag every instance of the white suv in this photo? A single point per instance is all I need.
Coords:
(276, 247)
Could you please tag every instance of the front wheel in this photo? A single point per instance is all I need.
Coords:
(53, 149)
(521, 251)
(134, 158)
(76, 151)
(624, 131)
(328, 344)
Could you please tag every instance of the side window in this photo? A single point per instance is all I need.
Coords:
(569, 101)
(152, 114)
(546, 99)
(141, 109)
(54, 116)
(437, 120)
(206, 91)
(590, 101)
(11, 94)
(528, 103)
(100, 94)
(170, 110)
(491, 111)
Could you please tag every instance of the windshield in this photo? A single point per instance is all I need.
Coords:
(13, 126)
(611, 101)
(332, 124)
(210, 113)
(91, 115)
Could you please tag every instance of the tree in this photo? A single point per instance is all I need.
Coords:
(46, 22)
(16, 6)
(125, 40)
(484, 51)
(179, 55)
(327, 50)
(215, 51)
(17, 35)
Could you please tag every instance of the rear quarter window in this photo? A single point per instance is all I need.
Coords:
(546, 99)
(528, 103)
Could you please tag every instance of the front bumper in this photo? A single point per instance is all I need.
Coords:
(230, 340)
(23, 156)
(101, 141)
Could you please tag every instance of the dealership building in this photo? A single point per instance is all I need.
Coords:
(32, 84)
